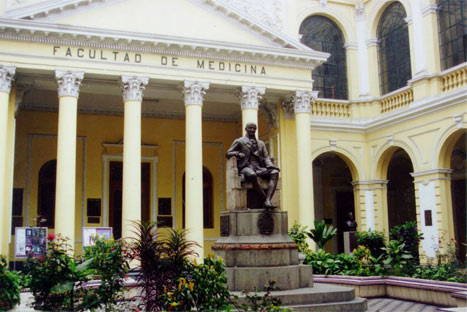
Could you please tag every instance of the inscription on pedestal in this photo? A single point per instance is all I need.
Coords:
(225, 225)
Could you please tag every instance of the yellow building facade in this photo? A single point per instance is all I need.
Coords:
(119, 110)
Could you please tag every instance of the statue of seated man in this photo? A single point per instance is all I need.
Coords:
(253, 162)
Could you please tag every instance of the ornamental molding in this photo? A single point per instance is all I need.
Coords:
(272, 113)
(369, 182)
(458, 120)
(371, 42)
(21, 90)
(439, 171)
(194, 91)
(288, 108)
(303, 100)
(360, 10)
(250, 96)
(429, 9)
(32, 31)
(133, 87)
(351, 45)
(7, 74)
(263, 17)
(68, 82)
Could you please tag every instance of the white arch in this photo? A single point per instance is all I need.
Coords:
(374, 16)
(344, 23)
(384, 147)
(441, 141)
(358, 167)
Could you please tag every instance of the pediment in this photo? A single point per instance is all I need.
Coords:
(211, 20)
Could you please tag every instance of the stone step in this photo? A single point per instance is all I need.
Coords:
(357, 304)
(319, 294)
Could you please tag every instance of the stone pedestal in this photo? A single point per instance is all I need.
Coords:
(350, 242)
(253, 258)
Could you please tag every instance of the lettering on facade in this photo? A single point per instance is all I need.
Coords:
(169, 61)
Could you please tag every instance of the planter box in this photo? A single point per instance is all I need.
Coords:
(406, 288)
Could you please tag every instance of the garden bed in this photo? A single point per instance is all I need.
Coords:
(438, 293)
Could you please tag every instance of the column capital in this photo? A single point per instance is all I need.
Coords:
(303, 100)
(250, 96)
(194, 91)
(68, 82)
(133, 87)
(7, 74)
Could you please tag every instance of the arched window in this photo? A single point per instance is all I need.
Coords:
(46, 194)
(393, 49)
(452, 21)
(330, 78)
(208, 199)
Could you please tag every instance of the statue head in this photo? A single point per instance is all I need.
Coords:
(250, 129)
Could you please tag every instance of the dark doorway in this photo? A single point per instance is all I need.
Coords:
(46, 194)
(333, 195)
(458, 191)
(115, 195)
(401, 190)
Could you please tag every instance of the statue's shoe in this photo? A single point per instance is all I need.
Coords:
(269, 205)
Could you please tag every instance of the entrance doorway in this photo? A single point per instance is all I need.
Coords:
(115, 195)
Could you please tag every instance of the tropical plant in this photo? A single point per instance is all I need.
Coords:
(373, 240)
(321, 233)
(10, 286)
(261, 302)
(161, 261)
(109, 260)
(367, 264)
(396, 257)
(202, 288)
(323, 262)
(408, 235)
(56, 278)
(298, 234)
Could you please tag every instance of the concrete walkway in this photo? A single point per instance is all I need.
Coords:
(396, 305)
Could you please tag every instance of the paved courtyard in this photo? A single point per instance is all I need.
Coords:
(396, 305)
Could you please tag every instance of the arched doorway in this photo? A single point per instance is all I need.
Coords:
(400, 189)
(333, 195)
(46, 194)
(458, 193)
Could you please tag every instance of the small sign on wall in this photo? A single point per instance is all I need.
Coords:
(91, 233)
(30, 241)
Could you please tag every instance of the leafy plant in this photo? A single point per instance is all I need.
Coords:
(10, 286)
(408, 235)
(161, 261)
(298, 234)
(396, 257)
(323, 262)
(321, 233)
(56, 278)
(203, 288)
(367, 264)
(108, 259)
(451, 272)
(373, 240)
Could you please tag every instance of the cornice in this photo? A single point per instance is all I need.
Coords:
(31, 31)
(439, 171)
(416, 109)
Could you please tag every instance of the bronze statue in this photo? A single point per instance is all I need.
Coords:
(350, 223)
(253, 162)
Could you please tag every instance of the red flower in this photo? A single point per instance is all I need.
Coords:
(51, 237)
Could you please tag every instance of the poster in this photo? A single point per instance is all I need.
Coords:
(30, 241)
(89, 234)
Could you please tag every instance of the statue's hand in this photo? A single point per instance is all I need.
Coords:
(240, 155)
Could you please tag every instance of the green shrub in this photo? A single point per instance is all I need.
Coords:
(367, 264)
(408, 235)
(373, 240)
(396, 257)
(108, 259)
(56, 278)
(10, 286)
(452, 272)
(323, 262)
(321, 233)
(298, 234)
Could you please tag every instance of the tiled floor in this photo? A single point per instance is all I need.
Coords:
(395, 305)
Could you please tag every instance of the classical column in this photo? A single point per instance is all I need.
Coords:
(302, 108)
(68, 91)
(249, 102)
(6, 77)
(133, 88)
(370, 208)
(194, 91)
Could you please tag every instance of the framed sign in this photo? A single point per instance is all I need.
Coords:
(30, 241)
(90, 234)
